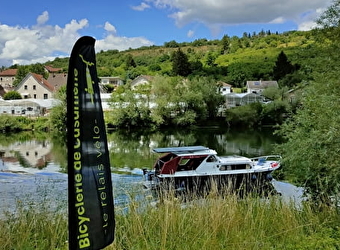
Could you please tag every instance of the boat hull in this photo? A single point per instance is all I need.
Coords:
(240, 183)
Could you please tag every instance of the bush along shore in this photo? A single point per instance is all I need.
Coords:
(9, 123)
(215, 222)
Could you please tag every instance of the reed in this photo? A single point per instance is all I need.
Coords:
(213, 222)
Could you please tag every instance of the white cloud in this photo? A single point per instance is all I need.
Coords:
(43, 18)
(42, 42)
(141, 7)
(110, 28)
(111, 42)
(190, 33)
(230, 12)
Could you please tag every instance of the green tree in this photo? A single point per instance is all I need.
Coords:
(57, 116)
(225, 45)
(312, 146)
(12, 95)
(38, 68)
(130, 62)
(180, 63)
(21, 74)
(282, 66)
(129, 108)
(329, 20)
(184, 102)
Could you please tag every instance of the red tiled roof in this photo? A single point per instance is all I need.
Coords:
(41, 79)
(53, 70)
(9, 72)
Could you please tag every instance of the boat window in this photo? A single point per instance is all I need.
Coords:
(234, 167)
(211, 158)
(183, 161)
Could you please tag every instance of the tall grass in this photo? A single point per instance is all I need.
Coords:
(215, 222)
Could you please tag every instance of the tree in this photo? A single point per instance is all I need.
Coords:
(282, 67)
(312, 146)
(21, 73)
(38, 68)
(57, 116)
(329, 20)
(130, 62)
(180, 63)
(12, 95)
(225, 44)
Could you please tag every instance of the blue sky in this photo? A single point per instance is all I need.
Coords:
(36, 31)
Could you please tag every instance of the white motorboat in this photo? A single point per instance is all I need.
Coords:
(195, 167)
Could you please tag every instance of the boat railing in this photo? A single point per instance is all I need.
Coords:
(263, 159)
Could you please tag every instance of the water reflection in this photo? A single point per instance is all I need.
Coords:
(34, 163)
(133, 149)
(130, 149)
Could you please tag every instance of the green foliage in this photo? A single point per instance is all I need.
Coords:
(9, 123)
(167, 101)
(180, 63)
(247, 116)
(311, 149)
(12, 95)
(282, 67)
(23, 70)
(130, 109)
(215, 223)
(312, 143)
(21, 73)
(258, 114)
(57, 117)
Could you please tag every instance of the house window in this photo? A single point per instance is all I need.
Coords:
(25, 87)
(35, 96)
(34, 87)
(45, 96)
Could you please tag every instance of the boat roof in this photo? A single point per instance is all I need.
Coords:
(181, 150)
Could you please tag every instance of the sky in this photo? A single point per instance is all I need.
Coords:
(37, 31)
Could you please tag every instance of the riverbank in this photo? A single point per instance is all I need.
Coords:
(210, 224)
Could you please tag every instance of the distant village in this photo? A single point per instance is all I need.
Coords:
(38, 93)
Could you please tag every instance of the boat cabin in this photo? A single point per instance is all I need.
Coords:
(197, 158)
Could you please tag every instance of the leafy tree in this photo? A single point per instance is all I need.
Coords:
(12, 95)
(130, 109)
(329, 20)
(130, 62)
(312, 146)
(184, 102)
(180, 63)
(282, 66)
(225, 44)
(171, 44)
(38, 68)
(21, 74)
(57, 116)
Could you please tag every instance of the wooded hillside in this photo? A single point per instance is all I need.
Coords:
(234, 60)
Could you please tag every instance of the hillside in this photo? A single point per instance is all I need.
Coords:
(231, 59)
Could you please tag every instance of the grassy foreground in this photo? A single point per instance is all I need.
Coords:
(212, 223)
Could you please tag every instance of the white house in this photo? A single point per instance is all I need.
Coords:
(224, 88)
(35, 86)
(142, 79)
(259, 86)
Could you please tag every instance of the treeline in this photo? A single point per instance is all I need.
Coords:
(234, 60)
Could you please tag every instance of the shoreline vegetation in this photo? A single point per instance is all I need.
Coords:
(215, 222)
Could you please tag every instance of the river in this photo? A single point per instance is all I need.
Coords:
(33, 166)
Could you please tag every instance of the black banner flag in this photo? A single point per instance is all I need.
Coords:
(91, 207)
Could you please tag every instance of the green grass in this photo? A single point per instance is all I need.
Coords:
(212, 223)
